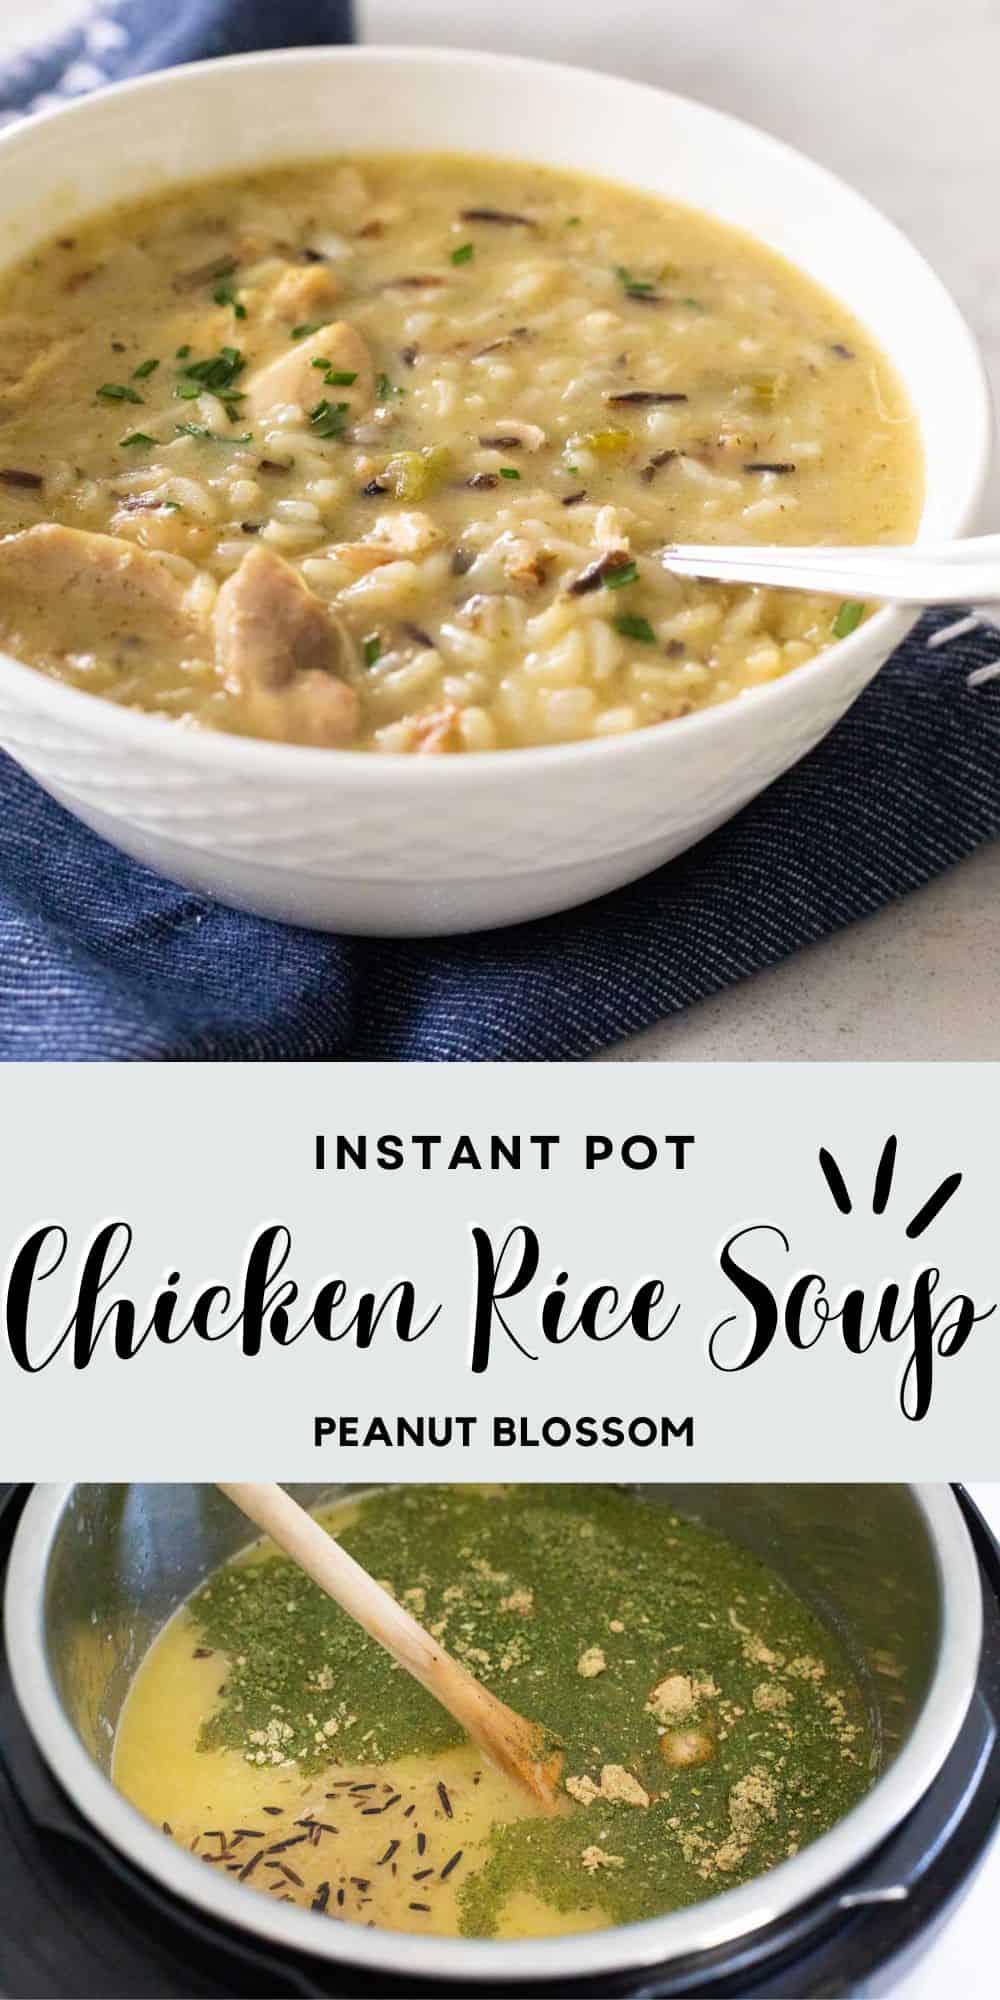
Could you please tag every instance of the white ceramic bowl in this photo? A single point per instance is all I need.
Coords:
(410, 846)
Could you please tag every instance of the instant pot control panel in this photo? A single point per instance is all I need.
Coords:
(78, 1920)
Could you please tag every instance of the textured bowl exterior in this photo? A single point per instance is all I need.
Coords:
(398, 856)
(408, 847)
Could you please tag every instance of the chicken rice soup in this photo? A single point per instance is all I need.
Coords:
(708, 1722)
(385, 454)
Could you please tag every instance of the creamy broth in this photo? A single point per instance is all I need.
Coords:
(384, 454)
(711, 1724)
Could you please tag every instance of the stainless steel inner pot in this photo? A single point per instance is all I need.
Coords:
(96, 1571)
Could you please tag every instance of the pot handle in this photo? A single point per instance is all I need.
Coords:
(894, 1873)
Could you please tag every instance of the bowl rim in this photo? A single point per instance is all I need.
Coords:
(721, 1920)
(881, 632)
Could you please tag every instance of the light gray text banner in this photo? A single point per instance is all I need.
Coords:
(551, 1272)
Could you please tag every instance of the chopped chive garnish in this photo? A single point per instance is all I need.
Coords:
(227, 297)
(464, 254)
(573, 470)
(326, 419)
(371, 648)
(338, 378)
(635, 628)
(635, 288)
(307, 327)
(617, 578)
(572, 221)
(137, 437)
(118, 392)
(170, 506)
(509, 472)
(145, 368)
(183, 352)
(385, 388)
(202, 431)
(848, 618)
(217, 373)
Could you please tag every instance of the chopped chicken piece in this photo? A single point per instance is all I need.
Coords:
(526, 567)
(431, 732)
(293, 379)
(304, 292)
(406, 534)
(72, 591)
(286, 653)
(358, 559)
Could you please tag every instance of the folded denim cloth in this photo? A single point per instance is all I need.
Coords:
(102, 960)
(122, 38)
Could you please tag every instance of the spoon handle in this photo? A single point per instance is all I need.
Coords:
(514, 1743)
(330, 1566)
(904, 576)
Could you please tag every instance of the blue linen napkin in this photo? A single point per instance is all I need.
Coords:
(102, 960)
(122, 38)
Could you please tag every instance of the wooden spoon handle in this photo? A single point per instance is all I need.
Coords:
(338, 1574)
(517, 1745)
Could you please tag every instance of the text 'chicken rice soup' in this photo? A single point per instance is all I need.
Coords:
(384, 454)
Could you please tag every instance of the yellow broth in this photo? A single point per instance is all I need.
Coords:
(384, 454)
(710, 1723)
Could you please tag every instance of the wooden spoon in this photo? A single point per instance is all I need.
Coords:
(519, 1747)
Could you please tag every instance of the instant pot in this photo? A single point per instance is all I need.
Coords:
(96, 1901)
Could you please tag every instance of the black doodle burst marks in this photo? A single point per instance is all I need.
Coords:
(835, 1181)
(883, 1175)
(928, 1211)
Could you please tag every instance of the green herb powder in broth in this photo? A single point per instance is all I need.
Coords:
(711, 1724)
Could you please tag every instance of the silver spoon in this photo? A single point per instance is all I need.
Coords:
(920, 573)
